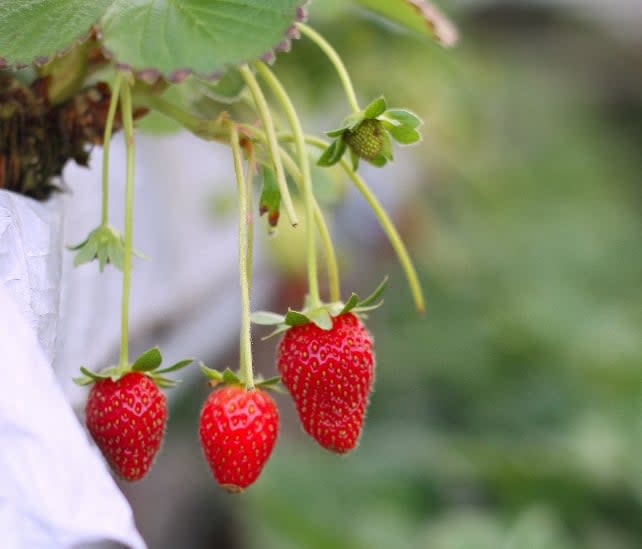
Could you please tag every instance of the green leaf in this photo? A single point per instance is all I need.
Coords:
(174, 38)
(374, 296)
(176, 366)
(270, 199)
(404, 117)
(420, 16)
(350, 304)
(38, 29)
(404, 134)
(227, 90)
(376, 108)
(295, 318)
(321, 317)
(266, 318)
(149, 360)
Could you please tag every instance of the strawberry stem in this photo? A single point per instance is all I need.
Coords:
(245, 260)
(109, 124)
(128, 123)
(304, 165)
(322, 227)
(334, 58)
(334, 282)
(272, 144)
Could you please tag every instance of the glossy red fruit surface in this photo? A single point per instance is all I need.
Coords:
(330, 374)
(238, 430)
(127, 420)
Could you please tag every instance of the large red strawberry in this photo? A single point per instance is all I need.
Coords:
(238, 429)
(127, 420)
(329, 374)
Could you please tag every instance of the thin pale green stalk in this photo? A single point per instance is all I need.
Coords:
(249, 177)
(247, 375)
(272, 144)
(304, 164)
(128, 123)
(335, 59)
(109, 125)
(334, 281)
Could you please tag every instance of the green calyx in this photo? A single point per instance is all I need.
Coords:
(229, 377)
(321, 315)
(147, 363)
(368, 135)
(105, 244)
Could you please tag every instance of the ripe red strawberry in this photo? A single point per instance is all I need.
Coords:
(238, 429)
(330, 374)
(127, 420)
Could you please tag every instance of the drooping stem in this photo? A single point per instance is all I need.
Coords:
(384, 220)
(249, 178)
(247, 375)
(109, 125)
(304, 164)
(128, 123)
(334, 58)
(324, 234)
(272, 144)
(334, 282)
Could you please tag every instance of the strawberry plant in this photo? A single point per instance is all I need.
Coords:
(92, 68)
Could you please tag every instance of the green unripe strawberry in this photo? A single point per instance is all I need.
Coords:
(367, 140)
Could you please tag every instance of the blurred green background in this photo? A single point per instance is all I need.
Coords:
(510, 416)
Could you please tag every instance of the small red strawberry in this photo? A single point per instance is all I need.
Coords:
(127, 420)
(238, 429)
(329, 374)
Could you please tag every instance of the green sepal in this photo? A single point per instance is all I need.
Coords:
(375, 295)
(375, 109)
(295, 318)
(270, 199)
(88, 377)
(354, 157)
(105, 244)
(379, 161)
(164, 382)
(230, 378)
(404, 118)
(148, 361)
(211, 374)
(268, 382)
(321, 317)
(281, 329)
(271, 384)
(176, 366)
(333, 153)
(350, 304)
(404, 135)
(266, 318)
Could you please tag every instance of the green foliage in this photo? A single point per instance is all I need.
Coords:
(39, 29)
(204, 36)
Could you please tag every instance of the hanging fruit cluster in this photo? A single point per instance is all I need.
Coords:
(325, 358)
